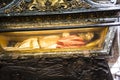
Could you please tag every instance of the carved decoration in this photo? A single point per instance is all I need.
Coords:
(44, 5)
(18, 6)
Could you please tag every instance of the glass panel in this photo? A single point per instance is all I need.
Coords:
(54, 40)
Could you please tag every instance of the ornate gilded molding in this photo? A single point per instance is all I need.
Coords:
(42, 5)
(57, 4)
(11, 6)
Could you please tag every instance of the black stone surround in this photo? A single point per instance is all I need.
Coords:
(55, 69)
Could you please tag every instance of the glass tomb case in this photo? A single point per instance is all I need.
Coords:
(58, 40)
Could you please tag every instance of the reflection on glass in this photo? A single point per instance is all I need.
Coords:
(81, 39)
(105, 1)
